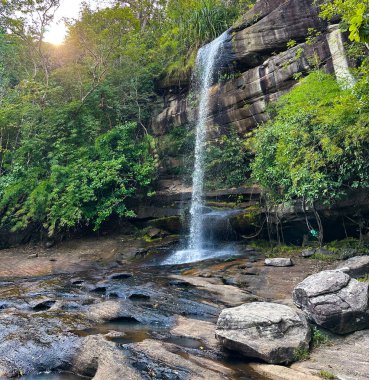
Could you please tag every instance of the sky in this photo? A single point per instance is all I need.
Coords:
(70, 9)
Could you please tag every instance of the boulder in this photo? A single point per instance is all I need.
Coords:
(268, 331)
(155, 233)
(279, 262)
(356, 266)
(333, 300)
(324, 252)
(172, 224)
(308, 252)
(100, 359)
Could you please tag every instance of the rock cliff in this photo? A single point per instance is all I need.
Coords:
(275, 43)
(263, 67)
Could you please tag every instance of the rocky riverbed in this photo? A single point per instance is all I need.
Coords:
(103, 309)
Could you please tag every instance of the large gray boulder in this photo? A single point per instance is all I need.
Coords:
(268, 331)
(357, 266)
(333, 300)
(100, 359)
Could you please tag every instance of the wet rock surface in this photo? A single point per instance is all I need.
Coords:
(100, 359)
(164, 319)
(334, 300)
(268, 331)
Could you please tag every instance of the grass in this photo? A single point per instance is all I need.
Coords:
(337, 245)
(340, 249)
(318, 338)
(364, 279)
(327, 375)
(301, 354)
(272, 249)
(327, 258)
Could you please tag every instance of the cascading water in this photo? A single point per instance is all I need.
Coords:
(208, 59)
(206, 64)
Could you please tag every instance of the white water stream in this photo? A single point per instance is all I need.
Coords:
(198, 248)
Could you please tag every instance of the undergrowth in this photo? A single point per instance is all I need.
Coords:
(327, 375)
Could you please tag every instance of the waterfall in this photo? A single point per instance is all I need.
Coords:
(205, 68)
(339, 57)
(207, 62)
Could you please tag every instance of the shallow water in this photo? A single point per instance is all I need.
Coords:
(186, 256)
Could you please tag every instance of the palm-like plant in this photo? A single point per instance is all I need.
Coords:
(208, 21)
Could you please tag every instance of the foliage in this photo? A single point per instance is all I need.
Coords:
(190, 24)
(301, 354)
(364, 278)
(208, 20)
(316, 145)
(227, 162)
(349, 244)
(327, 375)
(74, 142)
(354, 14)
(78, 184)
(318, 337)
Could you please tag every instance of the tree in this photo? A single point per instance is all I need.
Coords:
(354, 14)
(316, 146)
(28, 20)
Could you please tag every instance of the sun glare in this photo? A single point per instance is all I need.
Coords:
(56, 34)
(57, 30)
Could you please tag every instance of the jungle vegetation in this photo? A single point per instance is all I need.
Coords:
(75, 143)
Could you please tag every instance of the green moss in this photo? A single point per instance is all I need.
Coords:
(249, 217)
(327, 375)
(180, 69)
(348, 244)
(273, 249)
(364, 279)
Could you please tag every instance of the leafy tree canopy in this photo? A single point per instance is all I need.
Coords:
(316, 145)
(354, 14)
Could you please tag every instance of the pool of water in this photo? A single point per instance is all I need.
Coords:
(123, 331)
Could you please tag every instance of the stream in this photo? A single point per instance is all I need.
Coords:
(140, 303)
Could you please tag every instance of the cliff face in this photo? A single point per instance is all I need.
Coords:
(263, 66)
(276, 42)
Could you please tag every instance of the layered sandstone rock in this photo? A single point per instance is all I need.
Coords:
(263, 68)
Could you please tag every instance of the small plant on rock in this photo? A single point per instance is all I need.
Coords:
(301, 354)
(318, 337)
(364, 279)
(327, 375)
